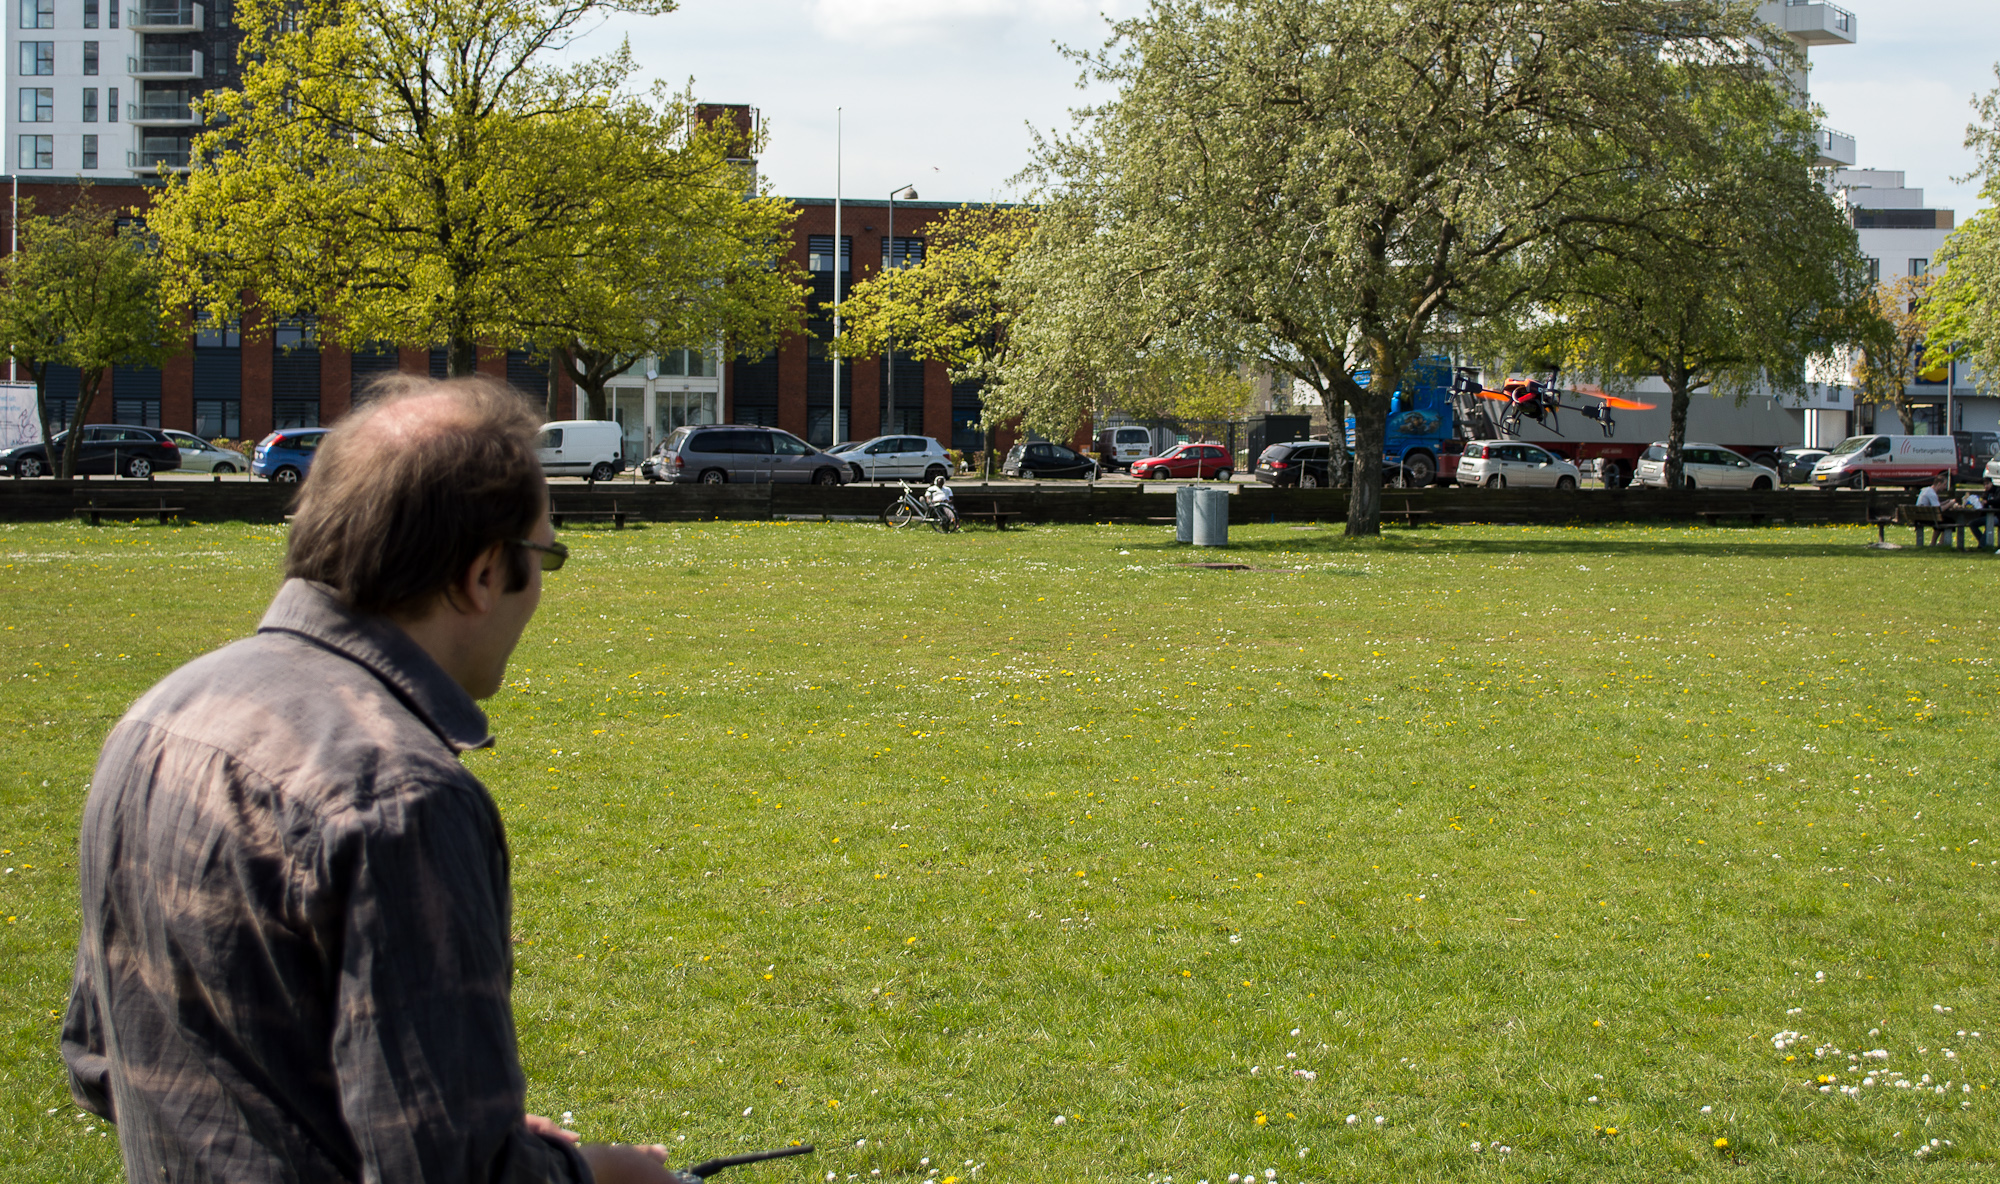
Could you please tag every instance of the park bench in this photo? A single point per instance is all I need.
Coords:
(1938, 517)
(1408, 514)
(96, 513)
(997, 516)
(614, 515)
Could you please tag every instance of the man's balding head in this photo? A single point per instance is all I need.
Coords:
(414, 486)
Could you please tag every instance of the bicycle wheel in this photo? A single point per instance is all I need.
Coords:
(899, 515)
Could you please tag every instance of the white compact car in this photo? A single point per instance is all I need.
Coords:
(1703, 466)
(1511, 464)
(897, 458)
(199, 456)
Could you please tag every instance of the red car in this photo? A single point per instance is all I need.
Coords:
(1187, 460)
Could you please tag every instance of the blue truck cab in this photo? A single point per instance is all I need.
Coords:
(1421, 436)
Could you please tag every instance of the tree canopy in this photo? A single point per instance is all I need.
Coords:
(1324, 184)
(407, 171)
(1965, 299)
(1893, 352)
(82, 291)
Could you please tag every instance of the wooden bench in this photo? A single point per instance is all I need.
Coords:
(97, 513)
(614, 515)
(1938, 518)
(1407, 514)
(997, 516)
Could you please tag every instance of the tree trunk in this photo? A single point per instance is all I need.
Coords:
(1677, 379)
(42, 411)
(555, 384)
(462, 357)
(1371, 433)
(86, 394)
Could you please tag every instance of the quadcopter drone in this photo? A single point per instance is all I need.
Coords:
(1542, 401)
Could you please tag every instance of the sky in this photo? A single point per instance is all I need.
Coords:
(943, 94)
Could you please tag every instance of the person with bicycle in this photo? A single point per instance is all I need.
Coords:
(939, 498)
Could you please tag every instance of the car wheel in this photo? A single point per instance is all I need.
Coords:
(224, 467)
(601, 471)
(1224, 474)
(1687, 482)
(714, 477)
(1566, 482)
(934, 472)
(1419, 470)
(286, 475)
(1858, 481)
(31, 466)
(858, 474)
(1496, 481)
(139, 468)
(826, 477)
(1761, 483)
(1309, 481)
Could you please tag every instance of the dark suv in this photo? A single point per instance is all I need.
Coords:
(105, 448)
(1974, 450)
(734, 453)
(1295, 462)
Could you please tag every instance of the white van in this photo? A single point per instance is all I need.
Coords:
(1119, 447)
(1861, 461)
(591, 448)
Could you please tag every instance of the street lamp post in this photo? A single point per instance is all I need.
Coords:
(908, 193)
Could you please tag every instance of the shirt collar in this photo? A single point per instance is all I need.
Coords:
(312, 610)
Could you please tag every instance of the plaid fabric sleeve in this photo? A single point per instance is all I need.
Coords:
(424, 1046)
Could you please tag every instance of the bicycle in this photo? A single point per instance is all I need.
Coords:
(911, 508)
(702, 1171)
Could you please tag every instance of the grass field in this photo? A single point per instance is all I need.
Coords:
(1513, 853)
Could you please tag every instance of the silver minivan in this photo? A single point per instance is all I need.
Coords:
(738, 454)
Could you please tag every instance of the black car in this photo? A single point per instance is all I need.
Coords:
(1046, 460)
(1296, 462)
(105, 448)
(1974, 450)
(1795, 465)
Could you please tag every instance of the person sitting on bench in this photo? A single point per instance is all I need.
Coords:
(1933, 496)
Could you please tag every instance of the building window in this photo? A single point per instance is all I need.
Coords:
(90, 57)
(89, 104)
(111, 104)
(907, 252)
(90, 152)
(38, 14)
(111, 17)
(1874, 271)
(38, 152)
(38, 104)
(90, 13)
(819, 253)
(38, 57)
(1920, 266)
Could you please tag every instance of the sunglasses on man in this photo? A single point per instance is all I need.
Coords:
(553, 554)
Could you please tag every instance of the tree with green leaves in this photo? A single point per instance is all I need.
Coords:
(1893, 349)
(81, 291)
(1733, 269)
(1964, 299)
(404, 171)
(688, 255)
(1322, 185)
(954, 307)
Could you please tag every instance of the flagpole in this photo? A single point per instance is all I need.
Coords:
(836, 275)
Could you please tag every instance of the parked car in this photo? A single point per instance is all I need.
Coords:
(200, 456)
(1909, 461)
(1511, 464)
(1046, 460)
(1704, 466)
(286, 456)
(1992, 469)
(1295, 462)
(1199, 461)
(722, 454)
(1976, 451)
(1119, 447)
(105, 448)
(1795, 465)
(897, 458)
(590, 448)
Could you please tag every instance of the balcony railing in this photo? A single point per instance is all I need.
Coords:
(165, 16)
(149, 159)
(167, 112)
(1811, 22)
(1835, 147)
(166, 63)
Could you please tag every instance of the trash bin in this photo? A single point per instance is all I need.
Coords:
(1184, 514)
(1211, 517)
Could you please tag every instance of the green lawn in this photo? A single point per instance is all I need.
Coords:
(1037, 855)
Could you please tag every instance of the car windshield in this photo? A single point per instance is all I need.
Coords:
(1656, 452)
(1850, 445)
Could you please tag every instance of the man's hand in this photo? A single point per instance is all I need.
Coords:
(537, 1125)
(626, 1163)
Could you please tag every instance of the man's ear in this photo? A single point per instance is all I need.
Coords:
(483, 582)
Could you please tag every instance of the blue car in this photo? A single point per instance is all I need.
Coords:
(286, 456)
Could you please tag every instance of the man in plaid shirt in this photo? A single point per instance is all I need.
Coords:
(296, 961)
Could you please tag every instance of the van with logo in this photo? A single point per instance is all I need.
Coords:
(1910, 461)
(589, 448)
